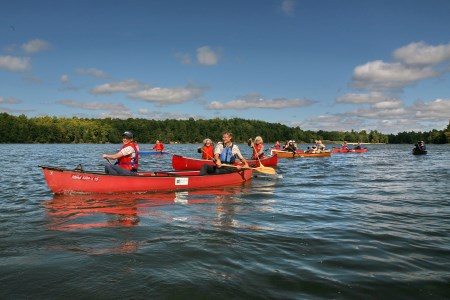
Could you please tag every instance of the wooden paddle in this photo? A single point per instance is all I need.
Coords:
(209, 156)
(261, 169)
(256, 152)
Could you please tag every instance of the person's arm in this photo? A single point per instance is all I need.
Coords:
(113, 156)
(261, 151)
(245, 162)
(238, 153)
(217, 152)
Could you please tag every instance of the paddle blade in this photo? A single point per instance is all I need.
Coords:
(266, 170)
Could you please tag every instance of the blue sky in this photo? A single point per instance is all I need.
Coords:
(321, 65)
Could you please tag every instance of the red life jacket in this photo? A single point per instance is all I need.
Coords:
(208, 152)
(128, 162)
(256, 149)
(158, 147)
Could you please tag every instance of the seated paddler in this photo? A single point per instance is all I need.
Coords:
(127, 157)
(225, 153)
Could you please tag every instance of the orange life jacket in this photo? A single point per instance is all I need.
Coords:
(158, 147)
(208, 152)
(256, 149)
(128, 162)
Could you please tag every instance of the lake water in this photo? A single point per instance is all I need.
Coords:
(372, 225)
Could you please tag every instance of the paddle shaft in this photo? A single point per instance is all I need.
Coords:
(265, 170)
(257, 155)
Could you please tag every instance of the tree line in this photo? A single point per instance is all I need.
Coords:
(46, 129)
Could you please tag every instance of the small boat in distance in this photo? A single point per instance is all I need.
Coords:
(416, 151)
(65, 181)
(340, 150)
(299, 153)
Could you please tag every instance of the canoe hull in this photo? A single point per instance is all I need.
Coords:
(419, 152)
(301, 153)
(185, 163)
(65, 181)
(340, 150)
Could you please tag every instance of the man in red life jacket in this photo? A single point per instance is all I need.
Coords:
(127, 157)
(158, 146)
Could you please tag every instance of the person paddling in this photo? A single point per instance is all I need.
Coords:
(257, 147)
(127, 157)
(225, 153)
(207, 150)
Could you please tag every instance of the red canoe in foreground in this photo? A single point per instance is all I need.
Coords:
(185, 163)
(340, 150)
(66, 181)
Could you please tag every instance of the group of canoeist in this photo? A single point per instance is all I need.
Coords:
(224, 153)
(291, 146)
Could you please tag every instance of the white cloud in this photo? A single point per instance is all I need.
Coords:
(423, 54)
(206, 56)
(389, 104)
(415, 62)
(166, 96)
(92, 72)
(113, 110)
(185, 58)
(9, 101)
(373, 97)
(436, 109)
(157, 115)
(378, 75)
(330, 123)
(287, 7)
(15, 64)
(65, 78)
(36, 45)
(116, 87)
(254, 101)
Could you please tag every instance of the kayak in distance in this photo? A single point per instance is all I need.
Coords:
(340, 150)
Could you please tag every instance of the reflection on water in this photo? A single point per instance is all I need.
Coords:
(75, 212)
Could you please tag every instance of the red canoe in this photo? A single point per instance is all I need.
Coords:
(184, 163)
(340, 150)
(66, 181)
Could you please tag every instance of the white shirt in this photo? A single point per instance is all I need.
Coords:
(235, 150)
(128, 150)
